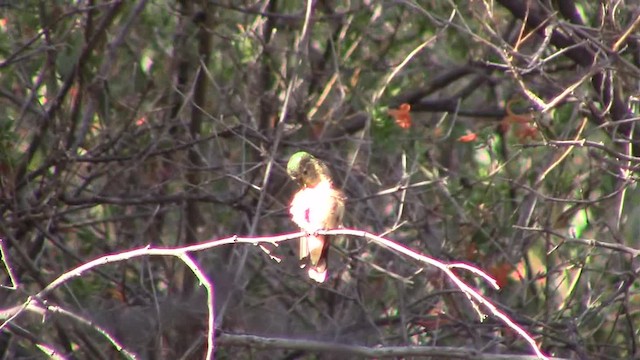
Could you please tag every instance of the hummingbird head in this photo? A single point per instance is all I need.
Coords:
(306, 169)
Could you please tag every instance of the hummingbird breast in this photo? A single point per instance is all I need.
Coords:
(317, 208)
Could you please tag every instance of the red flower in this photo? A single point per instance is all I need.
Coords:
(402, 115)
(469, 137)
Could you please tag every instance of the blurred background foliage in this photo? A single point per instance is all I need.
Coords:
(485, 132)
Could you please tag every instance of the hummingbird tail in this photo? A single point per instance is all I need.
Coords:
(314, 250)
(318, 275)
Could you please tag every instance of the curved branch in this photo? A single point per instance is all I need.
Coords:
(181, 253)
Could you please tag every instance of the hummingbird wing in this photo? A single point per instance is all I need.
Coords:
(319, 245)
(300, 214)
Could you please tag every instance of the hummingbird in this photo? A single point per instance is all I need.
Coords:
(318, 205)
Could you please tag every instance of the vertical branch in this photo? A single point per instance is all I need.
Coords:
(193, 177)
(180, 74)
(266, 105)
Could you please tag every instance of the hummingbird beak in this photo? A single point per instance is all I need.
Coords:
(298, 180)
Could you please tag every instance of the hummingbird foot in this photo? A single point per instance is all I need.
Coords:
(303, 262)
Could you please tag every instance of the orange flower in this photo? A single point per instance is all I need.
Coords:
(501, 272)
(73, 92)
(317, 128)
(527, 131)
(514, 118)
(521, 123)
(504, 125)
(469, 137)
(402, 115)
(471, 252)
